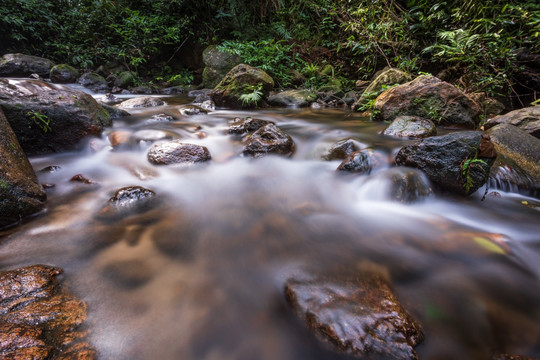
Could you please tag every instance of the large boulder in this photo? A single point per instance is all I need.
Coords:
(361, 317)
(20, 193)
(388, 77)
(94, 82)
(294, 98)
(522, 151)
(527, 119)
(48, 119)
(177, 152)
(39, 319)
(63, 74)
(242, 79)
(411, 127)
(430, 98)
(458, 162)
(217, 65)
(24, 65)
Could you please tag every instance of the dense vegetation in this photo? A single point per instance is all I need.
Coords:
(478, 42)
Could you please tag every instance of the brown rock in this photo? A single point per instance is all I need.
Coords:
(269, 140)
(527, 119)
(177, 152)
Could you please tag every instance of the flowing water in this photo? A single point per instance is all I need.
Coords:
(200, 275)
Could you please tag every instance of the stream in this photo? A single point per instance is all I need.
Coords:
(200, 275)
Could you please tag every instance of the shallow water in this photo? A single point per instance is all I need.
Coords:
(201, 274)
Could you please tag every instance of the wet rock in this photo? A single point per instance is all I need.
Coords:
(488, 106)
(177, 152)
(80, 178)
(150, 135)
(356, 162)
(50, 169)
(359, 317)
(141, 102)
(207, 105)
(125, 79)
(217, 65)
(242, 79)
(411, 127)
(63, 74)
(247, 125)
(128, 201)
(128, 274)
(114, 112)
(159, 118)
(20, 65)
(46, 119)
(94, 82)
(341, 149)
(119, 137)
(188, 110)
(38, 318)
(527, 119)
(401, 184)
(173, 90)
(20, 193)
(269, 139)
(430, 98)
(453, 162)
(518, 148)
(388, 77)
(294, 98)
(141, 90)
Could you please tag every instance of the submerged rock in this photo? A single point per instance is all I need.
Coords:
(342, 148)
(527, 119)
(177, 152)
(269, 139)
(357, 162)
(38, 318)
(411, 127)
(360, 317)
(242, 79)
(247, 125)
(459, 162)
(20, 193)
(430, 98)
(128, 201)
(192, 109)
(46, 119)
(16, 65)
(141, 102)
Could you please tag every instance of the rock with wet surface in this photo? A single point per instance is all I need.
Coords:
(39, 318)
(357, 162)
(18, 65)
(411, 127)
(63, 74)
(247, 125)
(20, 193)
(430, 98)
(141, 102)
(128, 201)
(269, 139)
(48, 119)
(341, 149)
(177, 152)
(527, 119)
(294, 98)
(94, 82)
(458, 162)
(217, 65)
(360, 317)
(387, 77)
(188, 110)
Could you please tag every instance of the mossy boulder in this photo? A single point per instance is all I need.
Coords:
(295, 98)
(24, 65)
(47, 119)
(388, 77)
(242, 79)
(217, 65)
(527, 119)
(430, 98)
(94, 82)
(125, 79)
(63, 73)
(20, 193)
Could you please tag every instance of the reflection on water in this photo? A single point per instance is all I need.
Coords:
(200, 274)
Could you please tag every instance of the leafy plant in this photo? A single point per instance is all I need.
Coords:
(466, 168)
(40, 120)
(252, 98)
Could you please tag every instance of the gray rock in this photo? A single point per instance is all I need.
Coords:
(342, 148)
(141, 102)
(411, 127)
(46, 119)
(459, 162)
(217, 65)
(63, 74)
(94, 82)
(295, 98)
(24, 65)
(128, 201)
(527, 119)
(20, 193)
(269, 139)
(177, 152)
(247, 125)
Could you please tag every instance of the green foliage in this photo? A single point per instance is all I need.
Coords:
(41, 120)
(466, 168)
(252, 98)
(184, 77)
(369, 98)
